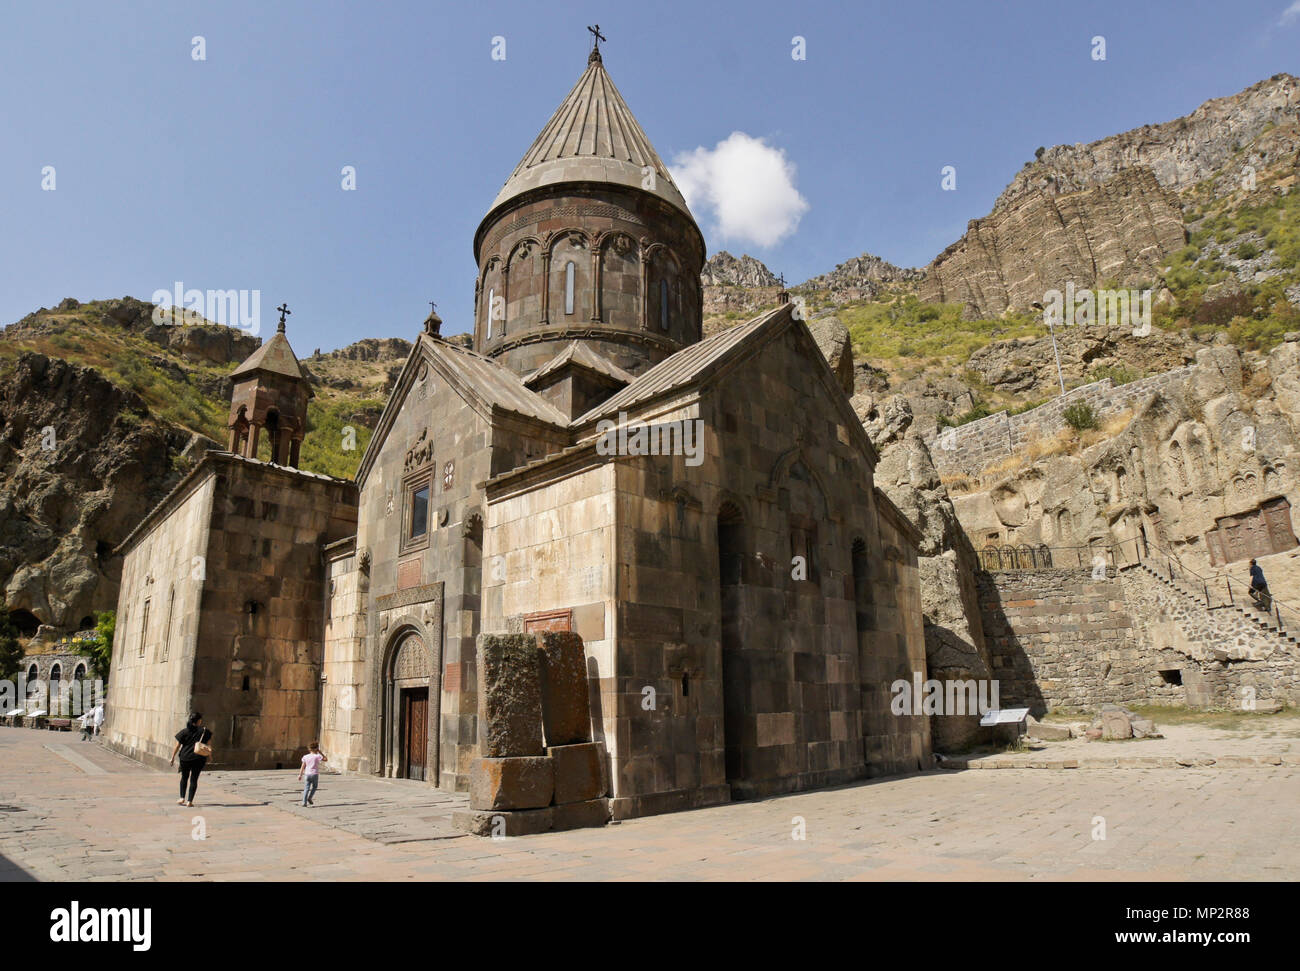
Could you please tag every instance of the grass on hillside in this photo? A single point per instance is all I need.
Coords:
(907, 328)
(170, 387)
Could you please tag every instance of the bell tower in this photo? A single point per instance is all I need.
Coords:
(270, 395)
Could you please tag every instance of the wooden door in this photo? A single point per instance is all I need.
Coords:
(415, 731)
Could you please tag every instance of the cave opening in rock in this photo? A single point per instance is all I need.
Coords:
(24, 621)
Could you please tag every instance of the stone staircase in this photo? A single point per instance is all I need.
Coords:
(1265, 621)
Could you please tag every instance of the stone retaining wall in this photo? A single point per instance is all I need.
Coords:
(1062, 638)
(970, 448)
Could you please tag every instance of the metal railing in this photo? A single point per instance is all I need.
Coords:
(1216, 592)
(1044, 557)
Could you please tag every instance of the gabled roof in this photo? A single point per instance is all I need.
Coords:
(592, 137)
(687, 366)
(697, 364)
(498, 385)
(480, 381)
(580, 355)
(275, 356)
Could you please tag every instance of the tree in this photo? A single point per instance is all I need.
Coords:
(11, 653)
(100, 650)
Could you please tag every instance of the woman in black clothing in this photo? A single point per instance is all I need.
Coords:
(191, 762)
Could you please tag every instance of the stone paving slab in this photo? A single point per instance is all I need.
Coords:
(1271, 741)
(1200, 824)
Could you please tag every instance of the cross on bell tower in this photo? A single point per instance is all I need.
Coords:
(270, 393)
(433, 323)
(596, 38)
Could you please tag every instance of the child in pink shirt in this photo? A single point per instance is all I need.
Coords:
(311, 769)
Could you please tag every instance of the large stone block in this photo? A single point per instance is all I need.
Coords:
(511, 783)
(525, 822)
(566, 706)
(510, 696)
(580, 815)
(578, 776)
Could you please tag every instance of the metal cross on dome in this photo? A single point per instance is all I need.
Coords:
(284, 309)
(597, 37)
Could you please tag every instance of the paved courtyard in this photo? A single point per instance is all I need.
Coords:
(70, 810)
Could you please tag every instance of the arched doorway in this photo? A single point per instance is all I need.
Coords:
(56, 698)
(409, 733)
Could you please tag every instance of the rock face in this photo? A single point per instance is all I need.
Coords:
(1203, 464)
(832, 338)
(370, 349)
(1180, 153)
(1120, 230)
(724, 270)
(1027, 365)
(65, 507)
(859, 279)
(954, 636)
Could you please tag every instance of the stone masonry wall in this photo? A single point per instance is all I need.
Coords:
(1224, 658)
(969, 448)
(1060, 638)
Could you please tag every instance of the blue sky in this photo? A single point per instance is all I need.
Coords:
(225, 173)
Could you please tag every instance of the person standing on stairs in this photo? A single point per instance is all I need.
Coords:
(1259, 587)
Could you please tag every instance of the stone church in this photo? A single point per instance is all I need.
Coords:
(743, 608)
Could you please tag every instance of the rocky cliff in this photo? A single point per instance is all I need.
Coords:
(102, 410)
(736, 287)
(1201, 461)
(724, 270)
(860, 278)
(1121, 230)
(81, 461)
(1180, 153)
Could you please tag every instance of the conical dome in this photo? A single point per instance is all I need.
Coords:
(592, 137)
(589, 240)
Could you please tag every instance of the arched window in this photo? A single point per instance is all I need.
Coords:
(167, 631)
(144, 628)
(492, 295)
(56, 675)
(33, 673)
(663, 304)
(80, 673)
(568, 287)
(863, 599)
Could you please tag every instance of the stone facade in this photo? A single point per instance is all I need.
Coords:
(635, 289)
(720, 618)
(220, 612)
(1064, 639)
(717, 671)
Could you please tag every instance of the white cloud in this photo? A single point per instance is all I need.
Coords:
(1290, 15)
(748, 186)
